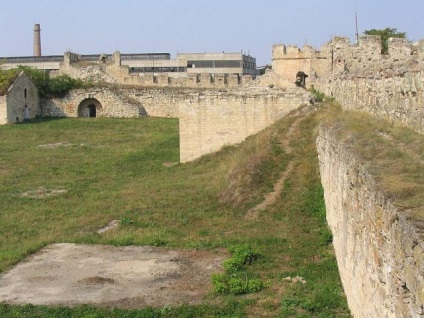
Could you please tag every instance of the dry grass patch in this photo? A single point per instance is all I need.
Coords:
(392, 153)
(42, 193)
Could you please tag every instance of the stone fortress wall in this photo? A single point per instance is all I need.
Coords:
(212, 111)
(379, 251)
(360, 77)
(107, 103)
(211, 120)
(389, 86)
(208, 118)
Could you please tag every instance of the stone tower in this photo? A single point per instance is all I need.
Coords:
(37, 40)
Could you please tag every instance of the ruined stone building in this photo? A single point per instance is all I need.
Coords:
(20, 102)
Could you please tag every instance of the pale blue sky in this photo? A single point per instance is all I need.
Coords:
(139, 26)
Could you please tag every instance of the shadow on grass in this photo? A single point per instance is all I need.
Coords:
(39, 120)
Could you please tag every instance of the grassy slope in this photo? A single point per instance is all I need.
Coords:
(114, 170)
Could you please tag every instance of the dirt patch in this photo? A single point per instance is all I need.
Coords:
(96, 280)
(110, 226)
(169, 164)
(41, 193)
(125, 277)
(56, 145)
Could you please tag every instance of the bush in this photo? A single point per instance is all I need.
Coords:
(241, 255)
(60, 85)
(7, 77)
(236, 284)
(318, 96)
(220, 283)
(235, 280)
(51, 86)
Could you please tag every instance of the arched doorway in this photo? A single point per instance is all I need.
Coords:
(90, 107)
(91, 110)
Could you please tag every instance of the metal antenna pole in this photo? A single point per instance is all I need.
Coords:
(356, 23)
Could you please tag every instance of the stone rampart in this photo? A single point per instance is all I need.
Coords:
(209, 119)
(287, 61)
(340, 57)
(380, 251)
(389, 86)
(398, 98)
(361, 78)
(158, 102)
(212, 119)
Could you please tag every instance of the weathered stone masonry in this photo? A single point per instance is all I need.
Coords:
(211, 120)
(361, 78)
(380, 252)
(208, 119)
(107, 102)
(399, 98)
(20, 102)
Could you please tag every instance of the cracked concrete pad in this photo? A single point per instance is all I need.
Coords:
(125, 277)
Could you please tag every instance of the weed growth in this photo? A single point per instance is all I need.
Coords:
(320, 97)
(236, 280)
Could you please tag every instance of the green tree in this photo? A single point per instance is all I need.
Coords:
(385, 35)
(51, 86)
(7, 77)
(40, 78)
(263, 70)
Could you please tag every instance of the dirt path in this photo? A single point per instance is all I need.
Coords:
(272, 197)
(125, 277)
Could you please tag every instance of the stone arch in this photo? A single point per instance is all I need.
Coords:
(89, 107)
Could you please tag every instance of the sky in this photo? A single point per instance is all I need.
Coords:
(172, 26)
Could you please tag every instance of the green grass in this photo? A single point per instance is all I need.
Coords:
(114, 169)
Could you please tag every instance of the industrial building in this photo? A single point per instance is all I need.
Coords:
(148, 63)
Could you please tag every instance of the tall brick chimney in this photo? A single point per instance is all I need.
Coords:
(37, 40)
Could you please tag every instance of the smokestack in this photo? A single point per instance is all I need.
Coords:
(37, 40)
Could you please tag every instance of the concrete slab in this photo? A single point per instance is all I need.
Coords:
(124, 277)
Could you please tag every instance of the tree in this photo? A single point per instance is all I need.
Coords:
(51, 86)
(263, 69)
(385, 35)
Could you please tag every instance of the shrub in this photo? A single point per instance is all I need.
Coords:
(235, 280)
(60, 85)
(318, 96)
(51, 86)
(7, 77)
(220, 283)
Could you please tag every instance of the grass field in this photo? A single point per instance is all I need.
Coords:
(124, 169)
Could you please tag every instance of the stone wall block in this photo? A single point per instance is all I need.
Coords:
(379, 250)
